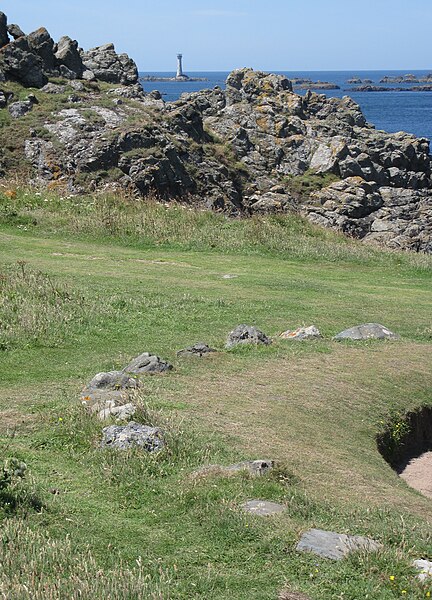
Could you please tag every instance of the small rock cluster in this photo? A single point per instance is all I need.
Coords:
(111, 394)
(108, 393)
(31, 59)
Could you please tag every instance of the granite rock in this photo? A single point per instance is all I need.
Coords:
(301, 334)
(147, 364)
(132, 435)
(263, 508)
(368, 331)
(246, 334)
(335, 546)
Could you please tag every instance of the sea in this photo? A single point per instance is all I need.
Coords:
(388, 111)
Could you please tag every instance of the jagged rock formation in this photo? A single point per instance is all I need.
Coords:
(256, 147)
(31, 59)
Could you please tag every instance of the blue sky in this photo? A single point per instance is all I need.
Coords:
(221, 35)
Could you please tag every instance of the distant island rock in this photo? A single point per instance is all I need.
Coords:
(409, 78)
(308, 84)
(358, 81)
(377, 88)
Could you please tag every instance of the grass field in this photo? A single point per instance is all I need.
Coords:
(83, 293)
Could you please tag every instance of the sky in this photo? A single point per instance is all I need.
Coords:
(221, 35)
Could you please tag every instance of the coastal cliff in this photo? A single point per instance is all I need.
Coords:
(86, 124)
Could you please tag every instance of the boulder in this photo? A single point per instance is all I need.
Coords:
(113, 380)
(42, 44)
(270, 202)
(132, 435)
(109, 66)
(3, 99)
(368, 331)
(67, 54)
(246, 334)
(263, 508)
(53, 88)
(19, 63)
(78, 86)
(88, 75)
(15, 31)
(425, 569)
(200, 349)
(98, 399)
(120, 413)
(4, 38)
(147, 364)
(302, 333)
(19, 109)
(335, 546)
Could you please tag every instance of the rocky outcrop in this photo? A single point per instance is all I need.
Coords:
(4, 38)
(107, 65)
(249, 149)
(31, 59)
(67, 54)
(19, 63)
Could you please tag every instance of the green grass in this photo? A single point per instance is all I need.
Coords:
(125, 278)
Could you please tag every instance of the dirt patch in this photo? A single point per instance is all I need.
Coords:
(418, 474)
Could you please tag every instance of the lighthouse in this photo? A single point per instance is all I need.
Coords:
(179, 66)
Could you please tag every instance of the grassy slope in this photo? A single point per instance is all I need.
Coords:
(316, 407)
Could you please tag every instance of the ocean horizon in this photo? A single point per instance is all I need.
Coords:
(389, 111)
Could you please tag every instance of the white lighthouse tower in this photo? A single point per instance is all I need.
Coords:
(180, 73)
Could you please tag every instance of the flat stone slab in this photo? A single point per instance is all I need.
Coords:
(256, 468)
(425, 568)
(147, 364)
(200, 349)
(335, 546)
(111, 380)
(301, 334)
(368, 331)
(246, 334)
(132, 435)
(263, 508)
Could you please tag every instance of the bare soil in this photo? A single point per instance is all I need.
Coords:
(418, 474)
